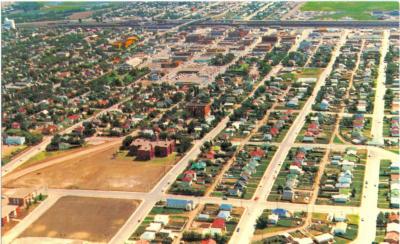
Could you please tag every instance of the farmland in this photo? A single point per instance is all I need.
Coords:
(355, 10)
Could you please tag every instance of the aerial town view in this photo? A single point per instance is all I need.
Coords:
(203, 122)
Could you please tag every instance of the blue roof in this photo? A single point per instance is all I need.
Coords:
(226, 206)
(224, 214)
(178, 201)
(280, 212)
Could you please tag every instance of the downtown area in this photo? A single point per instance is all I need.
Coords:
(200, 122)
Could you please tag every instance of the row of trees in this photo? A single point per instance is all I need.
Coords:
(220, 59)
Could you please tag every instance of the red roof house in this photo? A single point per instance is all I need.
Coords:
(218, 223)
(208, 241)
(257, 153)
(274, 131)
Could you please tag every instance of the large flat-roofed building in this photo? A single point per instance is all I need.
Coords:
(145, 149)
(20, 196)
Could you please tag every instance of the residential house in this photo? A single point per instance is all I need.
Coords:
(180, 204)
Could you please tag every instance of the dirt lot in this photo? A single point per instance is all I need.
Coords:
(83, 218)
(81, 15)
(99, 171)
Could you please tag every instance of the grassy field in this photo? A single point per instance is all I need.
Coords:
(356, 10)
(8, 152)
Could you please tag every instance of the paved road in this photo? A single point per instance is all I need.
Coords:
(379, 103)
(369, 209)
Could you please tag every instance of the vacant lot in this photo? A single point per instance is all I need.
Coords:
(8, 152)
(83, 218)
(104, 170)
(81, 15)
(356, 10)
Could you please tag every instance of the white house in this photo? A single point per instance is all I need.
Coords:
(148, 236)
(393, 227)
(340, 228)
(323, 238)
(273, 218)
(161, 218)
(155, 227)
(305, 240)
(340, 198)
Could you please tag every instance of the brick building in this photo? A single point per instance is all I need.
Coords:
(198, 109)
(145, 149)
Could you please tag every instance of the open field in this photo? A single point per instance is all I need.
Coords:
(81, 15)
(45, 156)
(355, 10)
(8, 152)
(83, 218)
(99, 171)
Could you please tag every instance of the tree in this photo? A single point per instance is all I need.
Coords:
(279, 189)
(353, 192)
(381, 220)
(127, 142)
(185, 144)
(191, 236)
(262, 222)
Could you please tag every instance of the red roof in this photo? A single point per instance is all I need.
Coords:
(394, 217)
(289, 111)
(190, 172)
(187, 179)
(257, 153)
(210, 155)
(73, 117)
(394, 177)
(209, 241)
(392, 236)
(298, 164)
(218, 223)
(309, 133)
(103, 102)
(15, 125)
(274, 131)
(22, 110)
(313, 126)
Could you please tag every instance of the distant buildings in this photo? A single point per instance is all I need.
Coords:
(9, 24)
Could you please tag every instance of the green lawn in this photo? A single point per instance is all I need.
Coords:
(358, 10)
(384, 181)
(337, 140)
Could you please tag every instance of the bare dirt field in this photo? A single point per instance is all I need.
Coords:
(81, 15)
(100, 170)
(83, 218)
